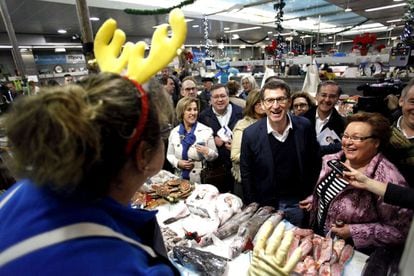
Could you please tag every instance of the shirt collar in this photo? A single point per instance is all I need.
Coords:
(319, 118)
(402, 130)
(281, 137)
(228, 109)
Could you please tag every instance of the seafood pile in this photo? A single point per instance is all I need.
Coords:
(320, 256)
(157, 194)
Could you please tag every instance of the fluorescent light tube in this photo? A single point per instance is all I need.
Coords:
(386, 7)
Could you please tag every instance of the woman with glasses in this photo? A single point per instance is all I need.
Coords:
(301, 102)
(356, 215)
(251, 113)
(190, 142)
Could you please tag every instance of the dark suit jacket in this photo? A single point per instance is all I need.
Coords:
(208, 118)
(256, 161)
(336, 123)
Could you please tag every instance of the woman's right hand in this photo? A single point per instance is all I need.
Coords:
(185, 164)
(306, 203)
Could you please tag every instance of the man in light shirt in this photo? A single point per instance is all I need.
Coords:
(324, 116)
(280, 160)
(222, 116)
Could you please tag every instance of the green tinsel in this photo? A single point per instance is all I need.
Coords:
(159, 11)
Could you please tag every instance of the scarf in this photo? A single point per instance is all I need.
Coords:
(187, 139)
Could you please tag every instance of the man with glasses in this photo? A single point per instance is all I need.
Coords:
(279, 160)
(189, 88)
(222, 116)
(324, 116)
(401, 151)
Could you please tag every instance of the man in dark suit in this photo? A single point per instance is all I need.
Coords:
(205, 95)
(324, 115)
(222, 116)
(280, 160)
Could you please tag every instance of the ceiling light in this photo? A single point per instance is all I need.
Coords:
(338, 43)
(195, 26)
(348, 9)
(386, 7)
(267, 38)
(235, 36)
(62, 31)
(93, 18)
(398, 0)
(270, 32)
(226, 28)
(243, 29)
(394, 20)
(60, 50)
(242, 46)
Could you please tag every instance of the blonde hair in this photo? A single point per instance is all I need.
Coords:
(182, 104)
(72, 138)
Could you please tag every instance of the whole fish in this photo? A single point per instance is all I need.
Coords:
(326, 251)
(248, 229)
(232, 225)
(346, 254)
(204, 263)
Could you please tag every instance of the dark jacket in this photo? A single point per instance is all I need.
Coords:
(204, 98)
(208, 118)
(336, 123)
(256, 160)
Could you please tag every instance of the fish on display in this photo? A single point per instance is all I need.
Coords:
(248, 230)
(204, 263)
(232, 225)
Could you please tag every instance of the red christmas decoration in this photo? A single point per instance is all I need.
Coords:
(271, 48)
(364, 41)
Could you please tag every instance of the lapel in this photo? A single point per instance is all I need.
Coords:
(264, 145)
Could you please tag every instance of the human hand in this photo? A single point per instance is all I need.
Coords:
(227, 145)
(392, 102)
(219, 142)
(186, 164)
(202, 149)
(306, 203)
(270, 252)
(343, 231)
(355, 177)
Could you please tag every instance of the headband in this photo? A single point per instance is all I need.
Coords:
(114, 55)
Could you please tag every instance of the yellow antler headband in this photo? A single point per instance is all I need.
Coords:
(112, 58)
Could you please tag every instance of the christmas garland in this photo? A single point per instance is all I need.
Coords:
(406, 36)
(252, 43)
(158, 11)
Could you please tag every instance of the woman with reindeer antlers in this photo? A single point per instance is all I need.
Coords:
(81, 152)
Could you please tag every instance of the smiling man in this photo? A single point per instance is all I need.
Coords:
(325, 117)
(280, 160)
(401, 152)
(222, 116)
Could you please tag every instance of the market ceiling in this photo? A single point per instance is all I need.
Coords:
(44, 17)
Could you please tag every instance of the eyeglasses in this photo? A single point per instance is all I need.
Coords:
(301, 106)
(216, 97)
(190, 88)
(356, 139)
(272, 101)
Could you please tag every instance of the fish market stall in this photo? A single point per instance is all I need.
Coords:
(215, 234)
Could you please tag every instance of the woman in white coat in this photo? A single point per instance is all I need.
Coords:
(190, 142)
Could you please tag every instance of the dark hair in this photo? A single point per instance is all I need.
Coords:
(275, 85)
(273, 78)
(380, 125)
(233, 87)
(329, 82)
(305, 95)
(218, 86)
(52, 82)
(72, 138)
(252, 99)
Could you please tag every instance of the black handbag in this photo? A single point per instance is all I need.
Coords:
(215, 175)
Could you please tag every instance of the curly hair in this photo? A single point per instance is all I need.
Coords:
(72, 138)
(381, 128)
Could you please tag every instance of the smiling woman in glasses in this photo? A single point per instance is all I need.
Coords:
(301, 102)
(368, 221)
